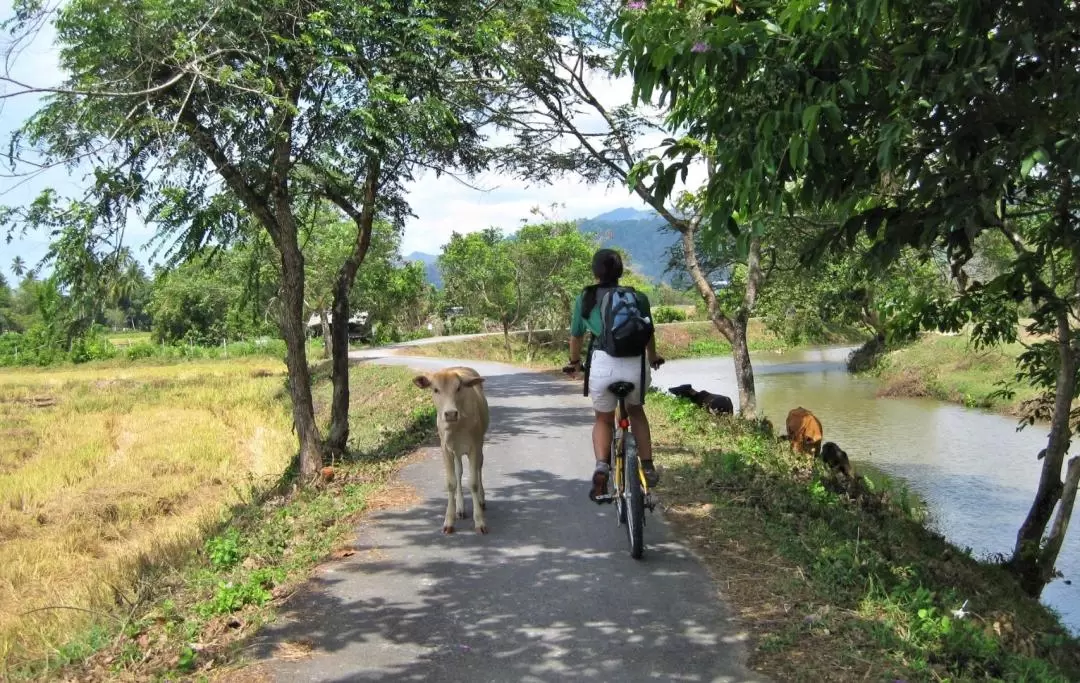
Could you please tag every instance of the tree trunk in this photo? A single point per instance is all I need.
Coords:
(744, 370)
(292, 329)
(529, 342)
(1029, 559)
(506, 340)
(339, 409)
(1048, 558)
(734, 330)
(338, 438)
(328, 341)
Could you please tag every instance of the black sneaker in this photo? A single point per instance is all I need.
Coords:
(652, 477)
(599, 485)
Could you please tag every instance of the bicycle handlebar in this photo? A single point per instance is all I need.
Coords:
(571, 368)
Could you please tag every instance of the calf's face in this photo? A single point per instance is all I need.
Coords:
(446, 388)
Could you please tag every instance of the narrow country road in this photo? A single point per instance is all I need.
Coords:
(550, 594)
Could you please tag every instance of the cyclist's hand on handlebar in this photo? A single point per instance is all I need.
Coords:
(656, 362)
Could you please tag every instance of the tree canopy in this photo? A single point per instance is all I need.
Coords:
(920, 124)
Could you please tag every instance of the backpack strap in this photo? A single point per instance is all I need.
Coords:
(588, 363)
(601, 292)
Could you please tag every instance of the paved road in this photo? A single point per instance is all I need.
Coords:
(550, 594)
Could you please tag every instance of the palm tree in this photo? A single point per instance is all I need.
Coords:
(18, 266)
(123, 278)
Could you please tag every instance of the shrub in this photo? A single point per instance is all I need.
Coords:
(668, 314)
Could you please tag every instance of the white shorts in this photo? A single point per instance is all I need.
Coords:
(604, 370)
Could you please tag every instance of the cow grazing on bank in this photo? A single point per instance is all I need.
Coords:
(716, 404)
(804, 431)
(462, 418)
(837, 459)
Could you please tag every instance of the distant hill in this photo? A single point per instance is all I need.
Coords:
(638, 233)
(431, 270)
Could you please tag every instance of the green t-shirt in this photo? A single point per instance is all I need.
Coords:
(578, 324)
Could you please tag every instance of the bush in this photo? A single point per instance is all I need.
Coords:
(465, 325)
(40, 346)
(92, 346)
(668, 314)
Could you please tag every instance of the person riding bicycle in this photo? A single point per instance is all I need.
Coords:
(603, 369)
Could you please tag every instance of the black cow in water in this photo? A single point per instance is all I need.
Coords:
(836, 459)
(714, 403)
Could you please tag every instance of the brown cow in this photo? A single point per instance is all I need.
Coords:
(804, 431)
(462, 412)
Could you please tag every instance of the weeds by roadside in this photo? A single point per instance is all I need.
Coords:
(840, 584)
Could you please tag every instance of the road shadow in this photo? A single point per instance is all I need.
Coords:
(551, 594)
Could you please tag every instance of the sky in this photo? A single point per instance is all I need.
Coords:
(442, 205)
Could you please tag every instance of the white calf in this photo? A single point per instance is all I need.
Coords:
(463, 421)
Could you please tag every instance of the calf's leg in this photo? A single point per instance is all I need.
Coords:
(460, 489)
(476, 484)
(452, 461)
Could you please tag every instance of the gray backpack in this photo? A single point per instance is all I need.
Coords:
(625, 329)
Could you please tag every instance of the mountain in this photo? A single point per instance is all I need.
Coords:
(625, 214)
(431, 270)
(638, 233)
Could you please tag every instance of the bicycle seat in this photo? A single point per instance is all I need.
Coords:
(621, 389)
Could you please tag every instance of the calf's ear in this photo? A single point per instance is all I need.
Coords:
(422, 381)
(472, 381)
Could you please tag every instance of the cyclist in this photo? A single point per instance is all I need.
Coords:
(603, 370)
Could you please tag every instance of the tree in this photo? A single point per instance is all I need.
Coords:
(552, 262)
(922, 124)
(528, 278)
(18, 266)
(7, 320)
(559, 102)
(205, 115)
(801, 303)
(192, 302)
(478, 274)
(386, 288)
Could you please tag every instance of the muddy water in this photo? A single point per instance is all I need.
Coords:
(976, 473)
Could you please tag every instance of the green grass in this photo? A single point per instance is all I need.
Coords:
(127, 338)
(948, 368)
(673, 341)
(840, 584)
(187, 609)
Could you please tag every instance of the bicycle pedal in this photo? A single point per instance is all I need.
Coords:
(607, 498)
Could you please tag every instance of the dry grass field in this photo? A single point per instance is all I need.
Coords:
(106, 469)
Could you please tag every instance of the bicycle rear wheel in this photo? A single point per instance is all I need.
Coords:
(634, 499)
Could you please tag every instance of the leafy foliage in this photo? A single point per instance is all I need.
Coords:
(526, 279)
(920, 125)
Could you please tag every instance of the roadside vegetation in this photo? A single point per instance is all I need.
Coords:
(149, 515)
(948, 368)
(673, 341)
(838, 583)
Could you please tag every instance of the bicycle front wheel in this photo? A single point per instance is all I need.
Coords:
(634, 499)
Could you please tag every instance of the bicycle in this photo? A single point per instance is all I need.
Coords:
(631, 494)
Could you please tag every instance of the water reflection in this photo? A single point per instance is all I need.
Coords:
(976, 473)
